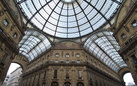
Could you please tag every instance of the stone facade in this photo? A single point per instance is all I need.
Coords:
(72, 66)
(126, 35)
(10, 35)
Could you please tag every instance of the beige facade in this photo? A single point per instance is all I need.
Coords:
(10, 35)
(71, 65)
(126, 34)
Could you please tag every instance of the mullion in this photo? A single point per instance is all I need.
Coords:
(85, 15)
(76, 19)
(50, 14)
(99, 13)
(67, 19)
(58, 19)
(37, 12)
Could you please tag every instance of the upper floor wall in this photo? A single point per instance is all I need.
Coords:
(10, 28)
(126, 23)
(68, 55)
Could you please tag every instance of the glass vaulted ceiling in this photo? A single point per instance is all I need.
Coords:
(69, 18)
(33, 44)
(104, 46)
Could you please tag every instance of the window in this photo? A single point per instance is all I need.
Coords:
(123, 36)
(67, 55)
(5, 56)
(67, 75)
(55, 73)
(48, 57)
(1, 30)
(79, 74)
(15, 35)
(67, 84)
(80, 84)
(91, 83)
(134, 59)
(78, 61)
(56, 61)
(57, 55)
(44, 75)
(5, 22)
(134, 23)
(77, 55)
(54, 84)
(61, 61)
(67, 61)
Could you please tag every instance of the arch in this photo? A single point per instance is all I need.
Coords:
(21, 60)
(18, 64)
(80, 84)
(67, 84)
(54, 83)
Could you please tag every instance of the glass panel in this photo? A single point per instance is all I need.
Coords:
(100, 45)
(64, 15)
(33, 44)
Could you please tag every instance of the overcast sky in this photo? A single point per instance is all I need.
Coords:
(128, 78)
(12, 67)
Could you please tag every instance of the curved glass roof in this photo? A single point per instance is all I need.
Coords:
(33, 44)
(104, 46)
(69, 18)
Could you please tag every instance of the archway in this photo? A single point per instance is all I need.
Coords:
(67, 84)
(127, 77)
(14, 74)
(54, 84)
(80, 84)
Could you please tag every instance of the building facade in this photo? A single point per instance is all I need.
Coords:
(10, 35)
(126, 34)
(69, 65)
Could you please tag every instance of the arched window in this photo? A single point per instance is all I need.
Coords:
(67, 55)
(67, 84)
(54, 84)
(80, 84)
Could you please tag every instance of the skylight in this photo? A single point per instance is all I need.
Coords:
(104, 46)
(33, 44)
(69, 18)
